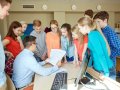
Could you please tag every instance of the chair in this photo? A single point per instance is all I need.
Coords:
(10, 84)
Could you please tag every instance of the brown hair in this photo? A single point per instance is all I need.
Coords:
(68, 28)
(14, 25)
(89, 12)
(102, 15)
(5, 2)
(37, 22)
(75, 29)
(56, 23)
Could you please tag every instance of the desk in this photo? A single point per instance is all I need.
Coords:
(45, 82)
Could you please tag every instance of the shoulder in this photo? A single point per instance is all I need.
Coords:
(43, 33)
(9, 38)
(33, 32)
(108, 29)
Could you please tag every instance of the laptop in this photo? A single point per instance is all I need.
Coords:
(60, 81)
(83, 67)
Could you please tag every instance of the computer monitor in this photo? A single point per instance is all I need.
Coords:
(83, 67)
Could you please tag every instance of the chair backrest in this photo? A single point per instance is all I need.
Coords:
(10, 84)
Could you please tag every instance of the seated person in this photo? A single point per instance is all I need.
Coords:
(25, 65)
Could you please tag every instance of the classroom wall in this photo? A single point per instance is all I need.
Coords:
(61, 10)
(45, 17)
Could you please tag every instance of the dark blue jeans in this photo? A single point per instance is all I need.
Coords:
(69, 59)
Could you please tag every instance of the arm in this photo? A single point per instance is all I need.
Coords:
(85, 46)
(44, 56)
(63, 47)
(2, 57)
(76, 55)
(114, 40)
(37, 68)
(48, 44)
(84, 50)
(5, 42)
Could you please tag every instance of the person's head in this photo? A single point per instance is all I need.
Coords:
(29, 42)
(24, 26)
(37, 25)
(76, 34)
(54, 26)
(85, 25)
(102, 18)
(66, 31)
(4, 7)
(14, 29)
(89, 13)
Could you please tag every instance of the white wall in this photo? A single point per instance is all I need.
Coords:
(30, 16)
(59, 10)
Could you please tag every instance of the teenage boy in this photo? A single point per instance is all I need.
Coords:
(41, 50)
(113, 39)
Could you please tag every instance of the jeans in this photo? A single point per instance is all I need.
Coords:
(69, 59)
(112, 73)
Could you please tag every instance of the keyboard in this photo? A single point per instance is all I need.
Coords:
(60, 81)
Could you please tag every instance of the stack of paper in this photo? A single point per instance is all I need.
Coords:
(56, 55)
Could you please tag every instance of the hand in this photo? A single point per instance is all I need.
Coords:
(76, 63)
(47, 60)
(9, 54)
(44, 56)
(19, 38)
(59, 64)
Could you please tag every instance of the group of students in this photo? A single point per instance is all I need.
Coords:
(27, 54)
